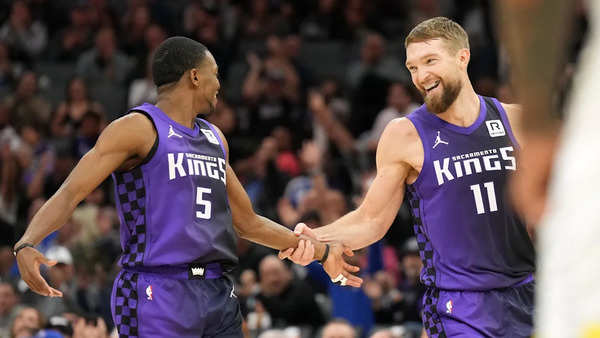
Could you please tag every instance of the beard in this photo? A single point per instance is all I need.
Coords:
(438, 104)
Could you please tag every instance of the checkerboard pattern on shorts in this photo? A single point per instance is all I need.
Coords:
(425, 248)
(126, 302)
(131, 193)
(431, 318)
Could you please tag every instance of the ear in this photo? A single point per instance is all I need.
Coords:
(195, 77)
(464, 56)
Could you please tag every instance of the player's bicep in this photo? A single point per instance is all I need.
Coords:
(242, 213)
(386, 192)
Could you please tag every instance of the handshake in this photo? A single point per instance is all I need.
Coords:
(333, 262)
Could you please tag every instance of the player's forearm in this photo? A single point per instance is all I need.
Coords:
(535, 34)
(51, 216)
(355, 230)
(275, 236)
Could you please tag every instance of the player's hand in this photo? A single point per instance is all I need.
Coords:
(305, 252)
(336, 267)
(29, 261)
(338, 270)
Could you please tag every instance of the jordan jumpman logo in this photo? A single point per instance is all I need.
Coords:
(438, 140)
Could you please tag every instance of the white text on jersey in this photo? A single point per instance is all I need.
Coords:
(197, 164)
(467, 164)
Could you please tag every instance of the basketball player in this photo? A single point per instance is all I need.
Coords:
(536, 35)
(453, 156)
(180, 205)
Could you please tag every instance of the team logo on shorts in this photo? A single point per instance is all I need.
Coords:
(149, 292)
(449, 306)
(495, 128)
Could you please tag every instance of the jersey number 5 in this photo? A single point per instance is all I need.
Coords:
(491, 194)
(200, 201)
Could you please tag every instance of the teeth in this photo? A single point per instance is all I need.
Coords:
(433, 86)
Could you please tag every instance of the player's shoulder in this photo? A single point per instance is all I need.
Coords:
(131, 130)
(134, 121)
(401, 129)
(400, 139)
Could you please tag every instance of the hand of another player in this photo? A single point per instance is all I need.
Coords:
(337, 268)
(305, 252)
(334, 265)
(29, 261)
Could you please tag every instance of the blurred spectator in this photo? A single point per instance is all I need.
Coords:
(338, 328)
(26, 37)
(90, 328)
(135, 23)
(27, 323)
(373, 59)
(258, 23)
(101, 14)
(324, 23)
(37, 158)
(8, 195)
(87, 133)
(9, 307)
(284, 297)
(9, 70)
(355, 20)
(106, 69)
(70, 112)
(399, 104)
(142, 90)
(26, 105)
(271, 89)
(75, 38)
(153, 36)
(408, 300)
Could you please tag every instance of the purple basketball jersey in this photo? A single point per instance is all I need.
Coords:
(469, 237)
(173, 207)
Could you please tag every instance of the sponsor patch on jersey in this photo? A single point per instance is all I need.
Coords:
(210, 136)
(495, 128)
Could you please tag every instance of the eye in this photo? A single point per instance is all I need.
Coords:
(412, 69)
(430, 61)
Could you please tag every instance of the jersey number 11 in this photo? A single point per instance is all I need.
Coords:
(491, 194)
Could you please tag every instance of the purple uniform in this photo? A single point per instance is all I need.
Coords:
(177, 237)
(478, 259)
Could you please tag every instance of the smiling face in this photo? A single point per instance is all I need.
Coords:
(437, 56)
(437, 72)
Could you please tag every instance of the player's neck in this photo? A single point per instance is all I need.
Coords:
(178, 106)
(465, 109)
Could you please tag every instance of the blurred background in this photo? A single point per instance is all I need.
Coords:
(307, 88)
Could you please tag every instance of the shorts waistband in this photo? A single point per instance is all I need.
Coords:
(529, 279)
(190, 271)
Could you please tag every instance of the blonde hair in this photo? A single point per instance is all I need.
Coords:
(439, 28)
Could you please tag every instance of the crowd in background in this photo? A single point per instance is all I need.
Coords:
(307, 88)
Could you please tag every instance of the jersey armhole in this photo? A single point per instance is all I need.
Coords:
(494, 102)
(424, 144)
(154, 145)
